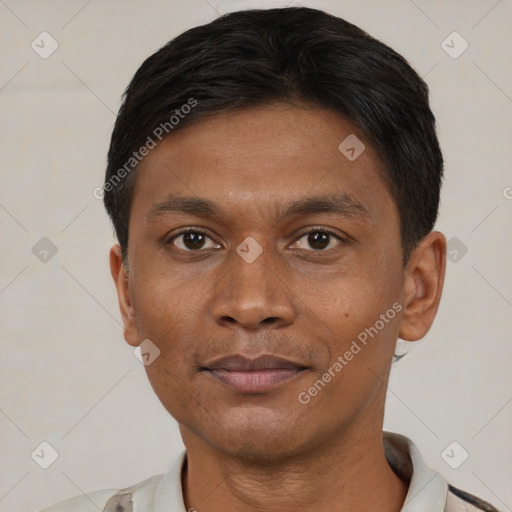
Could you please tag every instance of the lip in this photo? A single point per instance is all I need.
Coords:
(253, 375)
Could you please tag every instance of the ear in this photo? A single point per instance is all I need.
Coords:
(423, 285)
(121, 281)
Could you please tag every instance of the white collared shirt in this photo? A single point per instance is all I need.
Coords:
(428, 490)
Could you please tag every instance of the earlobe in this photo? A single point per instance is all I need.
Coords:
(423, 286)
(121, 281)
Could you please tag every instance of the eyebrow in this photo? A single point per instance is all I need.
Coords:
(342, 205)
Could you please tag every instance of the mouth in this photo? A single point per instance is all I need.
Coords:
(253, 375)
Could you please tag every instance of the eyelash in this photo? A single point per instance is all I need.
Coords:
(201, 232)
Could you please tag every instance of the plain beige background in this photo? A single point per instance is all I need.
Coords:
(68, 377)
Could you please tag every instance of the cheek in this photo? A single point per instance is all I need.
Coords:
(164, 300)
(361, 316)
(363, 327)
(351, 301)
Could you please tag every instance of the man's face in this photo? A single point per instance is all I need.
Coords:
(322, 278)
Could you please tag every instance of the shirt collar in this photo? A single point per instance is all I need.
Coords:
(427, 488)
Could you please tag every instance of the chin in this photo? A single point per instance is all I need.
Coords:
(265, 448)
(257, 436)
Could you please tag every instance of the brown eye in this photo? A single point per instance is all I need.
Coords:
(192, 240)
(318, 240)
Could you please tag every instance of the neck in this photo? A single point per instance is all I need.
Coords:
(349, 474)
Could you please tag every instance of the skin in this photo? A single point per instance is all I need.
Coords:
(269, 451)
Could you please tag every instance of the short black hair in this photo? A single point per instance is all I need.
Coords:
(296, 55)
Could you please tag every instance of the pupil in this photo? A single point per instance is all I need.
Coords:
(318, 240)
(193, 240)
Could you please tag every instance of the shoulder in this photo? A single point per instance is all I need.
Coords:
(115, 500)
(91, 502)
(458, 500)
(405, 459)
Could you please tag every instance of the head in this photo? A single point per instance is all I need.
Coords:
(273, 180)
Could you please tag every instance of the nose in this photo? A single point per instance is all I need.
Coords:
(253, 295)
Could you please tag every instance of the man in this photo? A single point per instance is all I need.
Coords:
(273, 180)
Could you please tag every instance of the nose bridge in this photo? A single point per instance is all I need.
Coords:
(252, 293)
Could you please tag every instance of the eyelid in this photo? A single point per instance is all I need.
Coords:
(322, 229)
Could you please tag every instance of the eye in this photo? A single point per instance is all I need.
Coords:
(192, 240)
(318, 239)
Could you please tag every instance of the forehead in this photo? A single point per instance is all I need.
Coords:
(256, 160)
